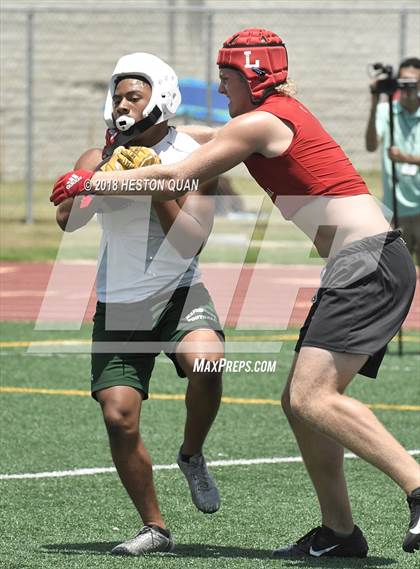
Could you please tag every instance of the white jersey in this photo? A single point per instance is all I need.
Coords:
(136, 260)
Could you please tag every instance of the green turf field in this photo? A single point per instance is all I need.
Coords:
(39, 241)
(71, 522)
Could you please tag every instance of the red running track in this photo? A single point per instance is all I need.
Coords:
(278, 295)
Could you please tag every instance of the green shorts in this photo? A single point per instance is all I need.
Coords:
(127, 337)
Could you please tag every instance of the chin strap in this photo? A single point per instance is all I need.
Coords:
(124, 138)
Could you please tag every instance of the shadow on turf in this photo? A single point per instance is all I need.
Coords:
(335, 563)
(205, 550)
(202, 550)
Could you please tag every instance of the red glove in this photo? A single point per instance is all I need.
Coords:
(70, 185)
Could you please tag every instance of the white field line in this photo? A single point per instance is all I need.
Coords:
(237, 462)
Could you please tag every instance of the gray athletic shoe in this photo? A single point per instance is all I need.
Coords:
(148, 540)
(204, 492)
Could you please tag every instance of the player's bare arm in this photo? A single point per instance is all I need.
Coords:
(71, 213)
(194, 215)
(200, 133)
(233, 143)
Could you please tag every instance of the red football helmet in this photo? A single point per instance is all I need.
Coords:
(260, 55)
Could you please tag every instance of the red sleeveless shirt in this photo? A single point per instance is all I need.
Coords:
(313, 165)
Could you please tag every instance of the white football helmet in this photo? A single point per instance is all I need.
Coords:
(162, 78)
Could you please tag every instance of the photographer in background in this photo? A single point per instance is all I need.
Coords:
(405, 152)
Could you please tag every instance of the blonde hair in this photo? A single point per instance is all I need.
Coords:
(289, 88)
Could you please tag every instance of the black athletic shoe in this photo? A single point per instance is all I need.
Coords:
(412, 539)
(323, 542)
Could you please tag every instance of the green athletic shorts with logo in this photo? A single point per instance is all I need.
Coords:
(127, 337)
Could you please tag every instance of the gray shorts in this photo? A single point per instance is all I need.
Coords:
(365, 295)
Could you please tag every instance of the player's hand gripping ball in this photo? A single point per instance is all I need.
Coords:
(112, 165)
(78, 181)
(136, 157)
(126, 159)
(129, 158)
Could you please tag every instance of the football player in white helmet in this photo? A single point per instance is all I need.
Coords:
(150, 294)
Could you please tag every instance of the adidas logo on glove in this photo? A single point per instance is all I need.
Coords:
(74, 178)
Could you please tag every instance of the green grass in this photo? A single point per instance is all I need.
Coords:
(73, 522)
(40, 240)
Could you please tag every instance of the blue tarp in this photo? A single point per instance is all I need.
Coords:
(195, 104)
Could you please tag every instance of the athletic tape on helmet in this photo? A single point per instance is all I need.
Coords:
(166, 96)
(260, 55)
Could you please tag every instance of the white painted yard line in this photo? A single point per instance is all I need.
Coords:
(237, 462)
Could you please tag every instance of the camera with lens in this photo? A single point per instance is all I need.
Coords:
(388, 83)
